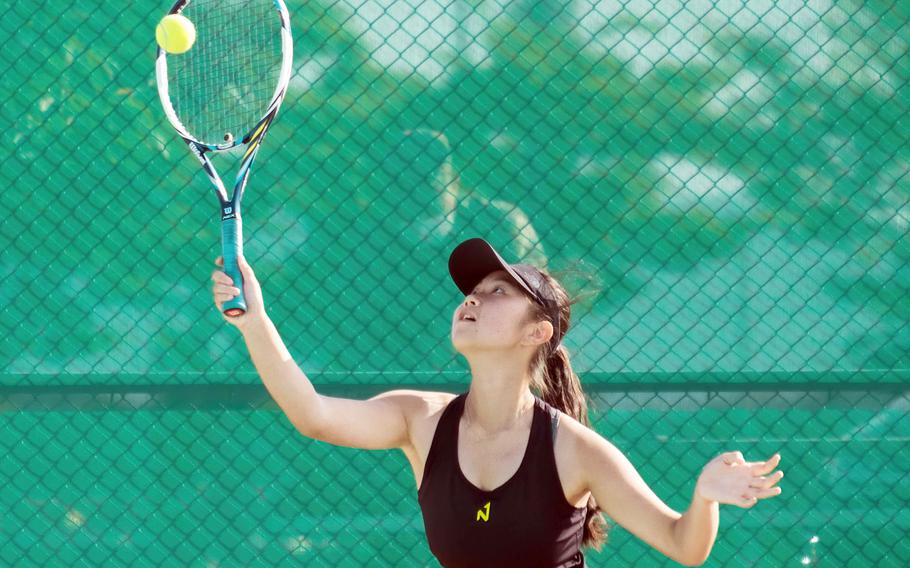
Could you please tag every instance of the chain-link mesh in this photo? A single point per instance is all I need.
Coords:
(723, 184)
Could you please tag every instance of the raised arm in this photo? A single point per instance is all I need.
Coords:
(378, 423)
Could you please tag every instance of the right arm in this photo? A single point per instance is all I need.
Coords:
(381, 422)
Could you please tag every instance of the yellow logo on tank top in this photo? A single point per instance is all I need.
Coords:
(484, 513)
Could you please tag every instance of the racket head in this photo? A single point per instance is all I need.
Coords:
(234, 78)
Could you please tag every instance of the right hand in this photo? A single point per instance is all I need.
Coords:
(223, 289)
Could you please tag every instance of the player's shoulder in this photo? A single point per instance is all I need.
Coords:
(572, 429)
(586, 453)
(578, 440)
(417, 403)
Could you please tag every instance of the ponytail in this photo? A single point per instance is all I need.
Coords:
(559, 386)
(562, 387)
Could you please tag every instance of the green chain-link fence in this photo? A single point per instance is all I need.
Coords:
(724, 183)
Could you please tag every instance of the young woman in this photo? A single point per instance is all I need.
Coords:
(508, 473)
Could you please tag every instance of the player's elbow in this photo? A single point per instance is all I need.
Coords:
(309, 430)
(690, 558)
(317, 427)
(691, 551)
(309, 421)
(693, 561)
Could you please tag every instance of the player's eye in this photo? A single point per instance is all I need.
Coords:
(497, 288)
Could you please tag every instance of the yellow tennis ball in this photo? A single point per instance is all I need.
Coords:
(175, 33)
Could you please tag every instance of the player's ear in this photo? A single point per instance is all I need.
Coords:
(539, 332)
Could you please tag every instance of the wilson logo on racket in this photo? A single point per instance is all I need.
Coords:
(483, 514)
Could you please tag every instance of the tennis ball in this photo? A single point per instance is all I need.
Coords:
(175, 33)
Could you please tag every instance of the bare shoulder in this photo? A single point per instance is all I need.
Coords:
(582, 444)
(574, 435)
(421, 410)
(417, 404)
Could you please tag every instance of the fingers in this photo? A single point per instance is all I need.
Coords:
(219, 277)
(766, 482)
(245, 269)
(750, 499)
(223, 292)
(764, 468)
(223, 288)
(760, 468)
(748, 502)
(753, 497)
(733, 458)
(763, 486)
(226, 293)
(221, 280)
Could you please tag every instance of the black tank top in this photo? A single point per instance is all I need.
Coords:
(524, 522)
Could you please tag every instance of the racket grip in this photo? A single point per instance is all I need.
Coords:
(232, 248)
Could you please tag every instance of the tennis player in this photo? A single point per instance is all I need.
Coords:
(510, 472)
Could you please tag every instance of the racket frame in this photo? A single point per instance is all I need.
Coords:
(231, 223)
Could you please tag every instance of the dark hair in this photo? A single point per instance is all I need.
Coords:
(558, 385)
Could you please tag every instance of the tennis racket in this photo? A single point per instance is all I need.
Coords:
(224, 93)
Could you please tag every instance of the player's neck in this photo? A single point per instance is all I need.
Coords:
(499, 399)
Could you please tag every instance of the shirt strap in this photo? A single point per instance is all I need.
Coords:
(554, 423)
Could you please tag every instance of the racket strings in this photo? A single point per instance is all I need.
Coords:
(225, 83)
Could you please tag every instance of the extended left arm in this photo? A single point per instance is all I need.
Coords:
(696, 530)
(729, 479)
(624, 496)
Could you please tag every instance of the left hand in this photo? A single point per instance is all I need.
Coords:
(730, 479)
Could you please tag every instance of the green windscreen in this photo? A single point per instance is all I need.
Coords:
(721, 186)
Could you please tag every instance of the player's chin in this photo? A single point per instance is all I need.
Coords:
(462, 341)
(457, 332)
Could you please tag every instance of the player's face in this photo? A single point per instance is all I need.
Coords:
(500, 310)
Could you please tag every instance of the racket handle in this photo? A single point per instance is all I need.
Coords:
(232, 248)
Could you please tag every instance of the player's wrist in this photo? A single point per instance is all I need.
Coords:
(255, 323)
